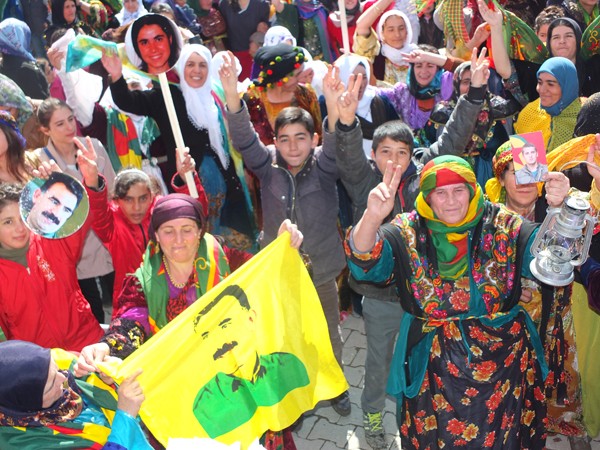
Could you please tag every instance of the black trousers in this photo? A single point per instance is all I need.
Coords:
(98, 291)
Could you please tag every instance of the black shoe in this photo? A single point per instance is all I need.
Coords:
(341, 404)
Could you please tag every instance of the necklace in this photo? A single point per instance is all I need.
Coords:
(177, 285)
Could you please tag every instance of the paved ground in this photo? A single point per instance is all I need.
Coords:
(327, 430)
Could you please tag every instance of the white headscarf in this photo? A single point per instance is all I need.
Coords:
(124, 17)
(391, 53)
(347, 63)
(199, 102)
(278, 34)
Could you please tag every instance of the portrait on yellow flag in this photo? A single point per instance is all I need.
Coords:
(250, 355)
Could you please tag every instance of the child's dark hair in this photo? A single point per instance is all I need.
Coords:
(293, 114)
(129, 177)
(9, 193)
(15, 153)
(397, 131)
(47, 108)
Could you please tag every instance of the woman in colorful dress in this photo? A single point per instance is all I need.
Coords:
(468, 368)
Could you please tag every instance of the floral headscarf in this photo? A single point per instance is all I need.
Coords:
(450, 240)
(12, 96)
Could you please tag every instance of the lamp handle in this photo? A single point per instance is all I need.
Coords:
(589, 231)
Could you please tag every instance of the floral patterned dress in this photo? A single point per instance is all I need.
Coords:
(468, 367)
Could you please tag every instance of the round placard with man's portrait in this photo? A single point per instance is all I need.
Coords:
(153, 44)
(55, 207)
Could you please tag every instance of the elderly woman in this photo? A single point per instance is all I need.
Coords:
(204, 131)
(43, 406)
(468, 358)
(181, 263)
(277, 88)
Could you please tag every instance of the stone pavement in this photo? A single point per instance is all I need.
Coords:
(327, 430)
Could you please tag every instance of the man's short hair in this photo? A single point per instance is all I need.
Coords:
(397, 131)
(230, 291)
(71, 184)
(293, 114)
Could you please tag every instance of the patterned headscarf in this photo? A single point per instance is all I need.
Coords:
(566, 74)
(450, 240)
(12, 96)
(494, 190)
(15, 38)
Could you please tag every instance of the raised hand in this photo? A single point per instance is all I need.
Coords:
(86, 160)
(187, 164)
(112, 63)
(380, 202)
(55, 57)
(493, 17)
(228, 76)
(333, 87)
(348, 102)
(131, 395)
(480, 68)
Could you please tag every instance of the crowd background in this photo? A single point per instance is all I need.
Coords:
(423, 78)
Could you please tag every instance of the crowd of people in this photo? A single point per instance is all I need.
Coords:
(384, 145)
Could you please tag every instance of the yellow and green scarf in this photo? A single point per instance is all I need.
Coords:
(450, 241)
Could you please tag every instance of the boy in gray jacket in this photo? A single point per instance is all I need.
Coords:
(298, 182)
(393, 141)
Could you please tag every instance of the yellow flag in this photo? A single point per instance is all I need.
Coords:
(250, 355)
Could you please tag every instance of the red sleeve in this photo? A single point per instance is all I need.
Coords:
(236, 257)
(103, 222)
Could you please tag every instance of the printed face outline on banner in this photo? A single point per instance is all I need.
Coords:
(153, 44)
(48, 206)
(244, 379)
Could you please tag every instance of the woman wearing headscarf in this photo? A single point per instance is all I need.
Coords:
(386, 49)
(202, 124)
(427, 83)
(555, 112)
(489, 131)
(474, 356)
(17, 61)
(131, 10)
(277, 87)
(42, 405)
(550, 308)
(84, 17)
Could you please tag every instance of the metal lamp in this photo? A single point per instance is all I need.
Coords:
(562, 243)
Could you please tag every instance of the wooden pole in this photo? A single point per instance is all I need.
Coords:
(164, 87)
(344, 25)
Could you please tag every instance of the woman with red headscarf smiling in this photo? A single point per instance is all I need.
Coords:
(474, 356)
